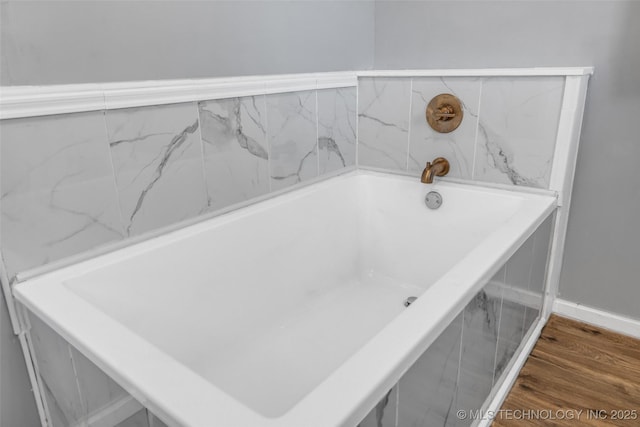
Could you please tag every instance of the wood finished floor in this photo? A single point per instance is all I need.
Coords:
(576, 367)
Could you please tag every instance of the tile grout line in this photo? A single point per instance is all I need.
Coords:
(495, 356)
(267, 141)
(207, 194)
(458, 374)
(125, 233)
(533, 246)
(533, 251)
(406, 164)
(357, 123)
(36, 371)
(475, 143)
(397, 403)
(317, 133)
(85, 415)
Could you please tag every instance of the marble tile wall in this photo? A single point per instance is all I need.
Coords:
(292, 137)
(383, 122)
(337, 124)
(429, 389)
(385, 412)
(72, 182)
(157, 162)
(142, 418)
(463, 366)
(57, 193)
(139, 419)
(236, 156)
(507, 135)
(74, 388)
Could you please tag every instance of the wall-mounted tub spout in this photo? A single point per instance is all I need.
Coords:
(439, 167)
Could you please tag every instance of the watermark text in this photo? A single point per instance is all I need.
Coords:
(550, 414)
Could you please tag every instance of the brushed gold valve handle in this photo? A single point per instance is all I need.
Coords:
(444, 113)
(444, 116)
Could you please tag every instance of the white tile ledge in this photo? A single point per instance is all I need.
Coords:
(28, 101)
(481, 72)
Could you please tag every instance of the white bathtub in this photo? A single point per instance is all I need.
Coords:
(288, 312)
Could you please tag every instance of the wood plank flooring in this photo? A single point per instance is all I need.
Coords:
(576, 375)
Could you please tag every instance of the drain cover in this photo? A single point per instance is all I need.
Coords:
(433, 200)
(409, 301)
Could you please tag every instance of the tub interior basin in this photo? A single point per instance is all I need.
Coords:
(266, 302)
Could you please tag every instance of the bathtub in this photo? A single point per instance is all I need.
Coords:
(288, 312)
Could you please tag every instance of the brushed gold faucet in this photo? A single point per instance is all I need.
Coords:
(439, 167)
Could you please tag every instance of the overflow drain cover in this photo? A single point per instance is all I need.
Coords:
(433, 200)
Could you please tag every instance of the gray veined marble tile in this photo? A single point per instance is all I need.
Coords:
(383, 122)
(530, 316)
(58, 193)
(97, 390)
(510, 334)
(154, 421)
(517, 129)
(292, 132)
(139, 419)
(236, 158)
(429, 389)
(157, 157)
(384, 413)
(510, 318)
(458, 146)
(479, 342)
(540, 256)
(56, 417)
(526, 269)
(519, 266)
(57, 374)
(337, 123)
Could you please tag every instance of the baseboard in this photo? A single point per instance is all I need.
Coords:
(604, 319)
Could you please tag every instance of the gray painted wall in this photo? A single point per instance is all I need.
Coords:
(53, 42)
(602, 258)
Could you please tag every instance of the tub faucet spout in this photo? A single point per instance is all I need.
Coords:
(439, 167)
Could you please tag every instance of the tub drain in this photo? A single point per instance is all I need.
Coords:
(409, 301)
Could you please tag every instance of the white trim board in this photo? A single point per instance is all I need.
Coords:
(562, 176)
(604, 319)
(482, 72)
(29, 101)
